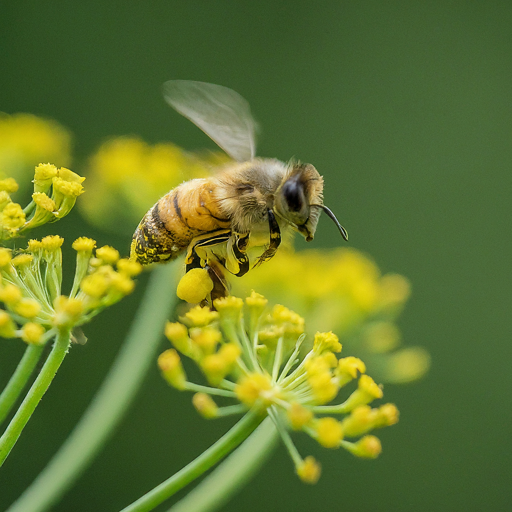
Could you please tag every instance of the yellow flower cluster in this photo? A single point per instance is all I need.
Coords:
(114, 193)
(344, 291)
(26, 140)
(254, 356)
(55, 193)
(30, 287)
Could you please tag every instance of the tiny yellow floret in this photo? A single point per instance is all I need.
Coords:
(199, 316)
(84, 244)
(67, 188)
(22, 260)
(230, 352)
(216, 366)
(177, 334)
(253, 388)
(70, 176)
(95, 285)
(206, 338)
(387, 415)
(5, 257)
(255, 300)
(129, 267)
(229, 308)
(12, 216)
(122, 283)
(194, 286)
(326, 341)
(108, 254)
(360, 421)
(10, 294)
(367, 391)
(34, 245)
(9, 185)
(52, 242)
(7, 325)
(32, 333)
(45, 172)
(368, 447)
(170, 365)
(27, 307)
(298, 415)
(205, 405)
(43, 201)
(329, 432)
(347, 369)
(309, 470)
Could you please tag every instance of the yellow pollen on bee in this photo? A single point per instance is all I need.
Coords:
(194, 286)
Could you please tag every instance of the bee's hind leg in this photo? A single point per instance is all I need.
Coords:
(275, 239)
(220, 285)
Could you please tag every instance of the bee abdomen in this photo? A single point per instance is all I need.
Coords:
(153, 242)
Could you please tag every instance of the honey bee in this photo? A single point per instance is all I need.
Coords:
(232, 220)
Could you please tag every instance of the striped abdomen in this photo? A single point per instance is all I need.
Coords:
(171, 224)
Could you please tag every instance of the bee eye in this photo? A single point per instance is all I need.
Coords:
(293, 194)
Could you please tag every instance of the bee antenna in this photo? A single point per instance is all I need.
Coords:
(331, 215)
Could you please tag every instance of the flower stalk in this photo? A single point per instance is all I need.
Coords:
(38, 389)
(230, 476)
(111, 401)
(199, 465)
(19, 379)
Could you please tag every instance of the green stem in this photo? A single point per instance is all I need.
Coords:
(112, 399)
(36, 392)
(197, 467)
(19, 379)
(232, 474)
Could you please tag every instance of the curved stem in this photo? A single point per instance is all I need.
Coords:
(218, 487)
(36, 392)
(19, 379)
(112, 399)
(197, 467)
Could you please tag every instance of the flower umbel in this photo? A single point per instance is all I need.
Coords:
(254, 356)
(55, 193)
(31, 282)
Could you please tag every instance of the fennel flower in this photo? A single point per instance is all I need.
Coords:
(254, 357)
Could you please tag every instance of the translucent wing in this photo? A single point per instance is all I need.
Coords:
(220, 112)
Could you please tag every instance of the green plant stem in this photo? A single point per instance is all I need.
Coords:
(36, 392)
(112, 399)
(19, 379)
(232, 474)
(198, 466)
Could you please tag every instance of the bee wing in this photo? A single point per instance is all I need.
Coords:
(220, 112)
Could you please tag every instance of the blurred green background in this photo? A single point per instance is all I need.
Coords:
(405, 108)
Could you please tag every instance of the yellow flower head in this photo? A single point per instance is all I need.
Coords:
(30, 289)
(260, 365)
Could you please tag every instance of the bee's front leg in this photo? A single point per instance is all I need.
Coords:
(275, 239)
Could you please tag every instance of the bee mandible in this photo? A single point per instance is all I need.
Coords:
(234, 219)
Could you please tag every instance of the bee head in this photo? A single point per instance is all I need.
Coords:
(301, 188)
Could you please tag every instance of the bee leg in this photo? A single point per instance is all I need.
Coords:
(220, 285)
(192, 260)
(239, 251)
(275, 239)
